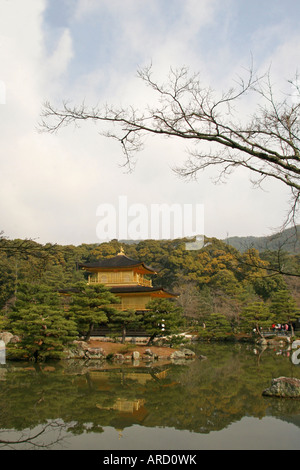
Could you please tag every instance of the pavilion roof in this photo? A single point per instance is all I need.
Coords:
(119, 261)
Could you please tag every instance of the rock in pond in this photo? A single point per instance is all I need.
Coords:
(135, 355)
(283, 387)
(183, 354)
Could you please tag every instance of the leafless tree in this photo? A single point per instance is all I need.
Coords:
(267, 143)
(25, 247)
(190, 300)
(31, 440)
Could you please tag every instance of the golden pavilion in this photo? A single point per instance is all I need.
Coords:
(126, 278)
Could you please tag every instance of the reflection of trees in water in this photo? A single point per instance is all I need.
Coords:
(40, 403)
(221, 390)
(31, 438)
(201, 397)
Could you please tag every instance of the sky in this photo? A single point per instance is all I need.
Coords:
(54, 187)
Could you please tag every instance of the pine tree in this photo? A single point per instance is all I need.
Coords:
(256, 316)
(162, 317)
(91, 306)
(44, 331)
(122, 319)
(41, 323)
(215, 326)
(284, 308)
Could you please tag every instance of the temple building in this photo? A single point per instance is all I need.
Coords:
(127, 279)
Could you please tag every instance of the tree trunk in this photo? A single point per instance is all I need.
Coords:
(124, 334)
(151, 339)
(36, 356)
(258, 330)
(88, 335)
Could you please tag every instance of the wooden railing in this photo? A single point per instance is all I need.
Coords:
(142, 282)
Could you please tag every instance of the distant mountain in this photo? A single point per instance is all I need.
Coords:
(288, 240)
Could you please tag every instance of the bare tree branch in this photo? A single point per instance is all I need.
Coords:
(26, 247)
(267, 144)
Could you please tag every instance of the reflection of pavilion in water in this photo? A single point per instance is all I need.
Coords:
(101, 378)
(129, 410)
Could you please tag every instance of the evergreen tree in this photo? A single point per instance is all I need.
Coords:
(44, 331)
(7, 280)
(162, 317)
(122, 319)
(215, 326)
(256, 317)
(284, 308)
(35, 293)
(91, 306)
(41, 323)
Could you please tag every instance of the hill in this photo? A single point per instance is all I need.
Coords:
(288, 240)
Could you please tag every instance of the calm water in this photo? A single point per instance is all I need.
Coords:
(212, 404)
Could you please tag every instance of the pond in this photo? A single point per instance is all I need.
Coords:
(203, 404)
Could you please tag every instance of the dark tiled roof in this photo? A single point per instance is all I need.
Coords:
(118, 261)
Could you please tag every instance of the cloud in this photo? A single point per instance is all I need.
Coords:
(29, 163)
(57, 64)
(51, 185)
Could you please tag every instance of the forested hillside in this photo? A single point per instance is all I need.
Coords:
(288, 240)
(216, 279)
